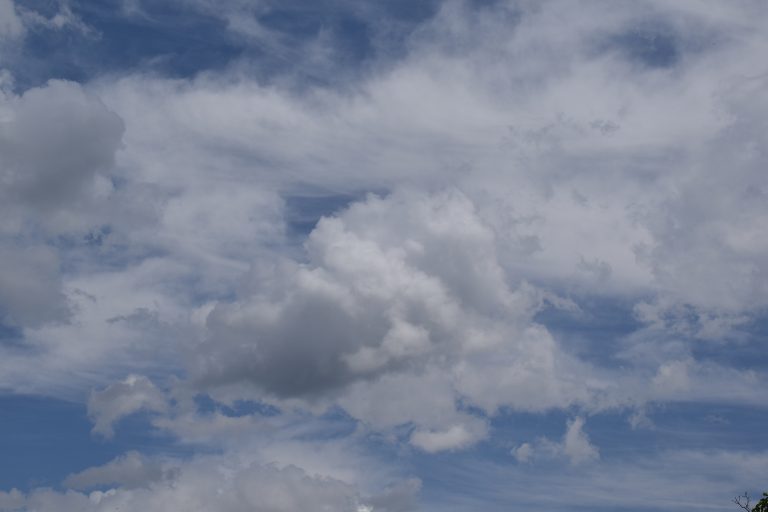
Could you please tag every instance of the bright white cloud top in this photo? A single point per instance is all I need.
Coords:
(484, 256)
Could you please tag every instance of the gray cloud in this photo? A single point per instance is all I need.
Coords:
(30, 287)
(53, 142)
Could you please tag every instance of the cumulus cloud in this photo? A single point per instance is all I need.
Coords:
(242, 478)
(373, 298)
(409, 286)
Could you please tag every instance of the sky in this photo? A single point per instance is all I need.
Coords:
(383, 256)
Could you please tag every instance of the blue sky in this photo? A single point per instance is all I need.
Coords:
(382, 256)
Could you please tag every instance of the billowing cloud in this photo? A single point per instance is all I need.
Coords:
(407, 286)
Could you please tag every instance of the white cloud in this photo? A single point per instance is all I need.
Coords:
(576, 444)
(136, 393)
(544, 189)
(523, 453)
(241, 478)
(569, 200)
(454, 437)
(407, 286)
(128, 471)
(210, 484)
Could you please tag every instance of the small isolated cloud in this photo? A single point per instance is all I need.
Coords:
(136, 393)
(523, 453)
(576, 443)
(452, 438)
(673, 378)
(575, 446)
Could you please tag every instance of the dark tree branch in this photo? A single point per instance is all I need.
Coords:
(743, 501)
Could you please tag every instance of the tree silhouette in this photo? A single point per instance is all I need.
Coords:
(743, 501)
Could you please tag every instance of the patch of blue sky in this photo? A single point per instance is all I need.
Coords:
(595, 331)
(489, 478)
(304, 22)
(167, 39)
(95, 251)
(667, 427)
(10, 335)
(303, 211)
(42, 440)
(206, 405)
(653, 46)
(180, 40)
(657, 44)
(598, 332)
(744, 349)
(354, 26)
